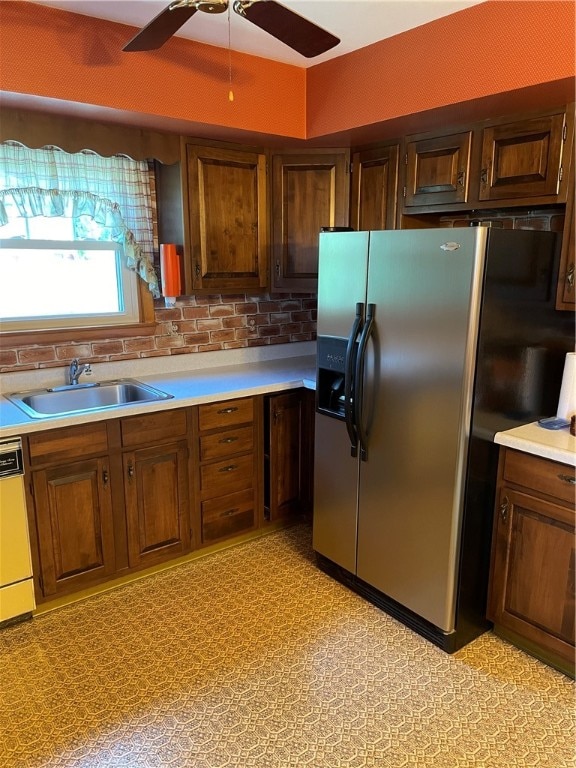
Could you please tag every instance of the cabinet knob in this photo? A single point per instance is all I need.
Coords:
(504, 509)
(230, 512)
(484, 175)
(130, 470)
(460, 178)
(197, 269)
(229, 468)
(105, 476)
(570, 479)
(228, 410)
(227, 440)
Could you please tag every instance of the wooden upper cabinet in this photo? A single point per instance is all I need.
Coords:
(523, 158)
(374, 189)
(226, 199)
(437, 170)
(310, 190)
(566, 296)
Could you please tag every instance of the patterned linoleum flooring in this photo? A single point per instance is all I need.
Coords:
(251, 657)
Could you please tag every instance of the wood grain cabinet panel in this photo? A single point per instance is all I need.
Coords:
(157, 503)
(531, 592)
(310, 190)
(289, 429)
(227, 201)
(437, 170)
(374, 189)
(74, 525)
(566, 295)
(522, 159)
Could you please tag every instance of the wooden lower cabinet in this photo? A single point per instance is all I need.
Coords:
(69, 498)
(228, 475)
(289, 439)
(157, 503)
(531, 593)
(74, 525)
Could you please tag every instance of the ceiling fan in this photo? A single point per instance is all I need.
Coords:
(279, 21)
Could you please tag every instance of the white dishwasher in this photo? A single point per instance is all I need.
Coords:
(16, 585)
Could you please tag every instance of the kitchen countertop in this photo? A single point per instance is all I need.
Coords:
(191, 387)
(558, 445)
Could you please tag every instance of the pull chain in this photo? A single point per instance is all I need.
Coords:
(230, 91)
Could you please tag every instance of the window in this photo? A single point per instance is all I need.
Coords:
(68, 257)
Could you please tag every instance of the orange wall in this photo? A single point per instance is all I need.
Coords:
(491, 48)
(499, 46)
(56, 54)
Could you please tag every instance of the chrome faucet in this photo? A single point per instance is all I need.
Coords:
(76, 370)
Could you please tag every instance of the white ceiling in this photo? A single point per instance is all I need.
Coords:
(356, 22)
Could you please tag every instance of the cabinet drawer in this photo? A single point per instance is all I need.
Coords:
(226, 414)
(543, 475)
(67, 443)
(230, 441)
(151, 427)
(227, 515)
(234, 474)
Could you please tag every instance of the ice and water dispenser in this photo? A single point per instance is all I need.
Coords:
(331, 352)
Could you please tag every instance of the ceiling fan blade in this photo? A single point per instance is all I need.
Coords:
(160, 29)
(288, 27)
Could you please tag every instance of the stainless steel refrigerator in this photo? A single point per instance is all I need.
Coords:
(429, 342)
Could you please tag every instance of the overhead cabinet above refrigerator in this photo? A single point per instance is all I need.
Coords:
(429, 342)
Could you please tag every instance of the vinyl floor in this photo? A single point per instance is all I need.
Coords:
(253, 658)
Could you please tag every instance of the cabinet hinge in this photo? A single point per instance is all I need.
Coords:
(404, 191)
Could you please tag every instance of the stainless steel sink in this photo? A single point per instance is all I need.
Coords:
(83, 398)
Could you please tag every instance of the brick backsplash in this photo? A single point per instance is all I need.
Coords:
(195, 324)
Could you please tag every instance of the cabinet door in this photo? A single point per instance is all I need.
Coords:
(73, 506)
(532, 580)
(289, 454)
(309, 191)
(437, 170)
(157, 505)
(566, 296)
(522, 159)
(374, 189)
(227, 219)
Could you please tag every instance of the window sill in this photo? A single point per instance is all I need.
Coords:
(54, 336)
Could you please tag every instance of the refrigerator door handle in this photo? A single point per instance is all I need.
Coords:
(359, 379)
(349, 388)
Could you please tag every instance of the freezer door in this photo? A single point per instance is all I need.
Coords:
(417, 407)
(342, 274)
(335, 494)
(343, 271)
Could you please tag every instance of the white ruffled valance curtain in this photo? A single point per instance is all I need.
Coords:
(114, 192)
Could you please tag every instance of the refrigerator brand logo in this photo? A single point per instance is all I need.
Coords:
(450, 246)
(335, 358)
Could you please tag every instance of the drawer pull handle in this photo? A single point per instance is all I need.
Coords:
(228, 440)
(230, 512)
(504, 509)
(567, 479)
(228, 410)
(229, 468)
